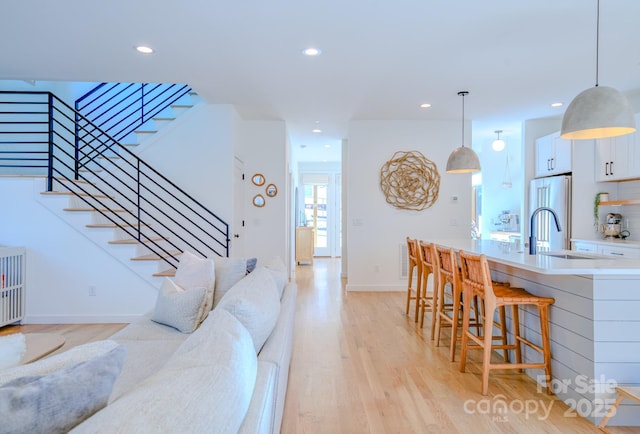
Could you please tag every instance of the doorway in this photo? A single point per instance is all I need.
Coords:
(322, 211)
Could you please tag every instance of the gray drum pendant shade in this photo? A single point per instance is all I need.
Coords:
(462, 159)
(598, 112)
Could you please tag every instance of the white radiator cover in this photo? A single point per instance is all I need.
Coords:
(12, 284)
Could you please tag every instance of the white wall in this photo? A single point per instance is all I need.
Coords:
(262, 145)
(62, 263)
(196, 153)
(376, 230)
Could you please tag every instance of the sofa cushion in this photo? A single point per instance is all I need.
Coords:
(179, 308)
(194, 272)
(205, 387)
(229, 271)
(53, 395)
(12, 348)
(278, 271)
(255, 301)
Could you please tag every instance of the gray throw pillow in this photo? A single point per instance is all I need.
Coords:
(57, 401)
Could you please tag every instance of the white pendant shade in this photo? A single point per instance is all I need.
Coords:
(596, 113)
(463, 160)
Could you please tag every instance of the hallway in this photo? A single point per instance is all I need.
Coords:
(361, 365)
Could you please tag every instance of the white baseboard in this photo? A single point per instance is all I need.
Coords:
(79, 319)
(374, 288)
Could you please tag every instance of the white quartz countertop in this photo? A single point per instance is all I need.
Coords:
(611, 242)
(516, 255)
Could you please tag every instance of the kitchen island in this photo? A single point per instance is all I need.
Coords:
(594, 322)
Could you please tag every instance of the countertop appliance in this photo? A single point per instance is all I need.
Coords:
(553, 192)
(613, 226)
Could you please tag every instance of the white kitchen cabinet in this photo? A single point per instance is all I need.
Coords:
(553, 155)
(613, 158)
(619, 251)
(584, 246)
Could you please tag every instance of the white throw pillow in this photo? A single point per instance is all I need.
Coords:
(179, 308)
(205, 387)
(229, 271)
(255, 301)
(37, 400)
(12, 348)
(195, 272)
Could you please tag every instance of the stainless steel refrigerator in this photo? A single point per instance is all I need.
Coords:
(553, 192)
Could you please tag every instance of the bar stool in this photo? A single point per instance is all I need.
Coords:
(476, 281)
(448, 310)
(414, 264)
(428, 300)
(629, 392)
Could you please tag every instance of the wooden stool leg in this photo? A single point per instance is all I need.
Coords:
(486, 351)
(434, 306)
(418, 294)
(546, 344)
(455, 315)
(463, 346)
(611, 412)
(503, 331)
(409, 282)
(516, 333)
(439, 312)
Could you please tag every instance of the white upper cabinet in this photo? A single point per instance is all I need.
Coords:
(617, 157)
(553, 155)
(612, 158)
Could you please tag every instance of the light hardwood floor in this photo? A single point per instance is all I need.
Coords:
(360, 365)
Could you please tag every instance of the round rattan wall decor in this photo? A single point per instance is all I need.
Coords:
(410, 181)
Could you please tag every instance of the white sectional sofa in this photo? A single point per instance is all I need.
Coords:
(230, 375)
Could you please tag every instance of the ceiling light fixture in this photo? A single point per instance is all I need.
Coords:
(498, 144)
(311, 51)
(556, 104)
(598, 112)
(316, 130)
(463, 160)
(425, 105)
(144, 49)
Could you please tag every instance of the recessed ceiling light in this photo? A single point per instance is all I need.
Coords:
(311, 51)
(316, 131)
(425, 105)
(327, 146)
(144, 49)
(556, 104)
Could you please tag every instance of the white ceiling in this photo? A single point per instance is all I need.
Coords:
(380, 59)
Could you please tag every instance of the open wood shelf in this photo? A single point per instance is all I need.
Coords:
(621, 202)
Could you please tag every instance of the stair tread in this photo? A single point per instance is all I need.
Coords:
(155, 256)
(113, 225)
(166, 273)
(67, 193)
(95, 209)
(146, 131)
(182, 105)
(134, 241)
(161, 118)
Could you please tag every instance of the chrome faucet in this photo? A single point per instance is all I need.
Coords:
(533, 228)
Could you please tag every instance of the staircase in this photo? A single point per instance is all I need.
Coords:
(99, 185)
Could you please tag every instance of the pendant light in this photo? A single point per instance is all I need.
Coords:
(498, 144)
(599, 111)
(463, 160)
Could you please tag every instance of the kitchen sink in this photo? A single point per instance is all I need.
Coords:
(565, 256)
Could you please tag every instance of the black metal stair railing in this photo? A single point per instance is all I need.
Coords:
(119, 109)
(38, 137)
